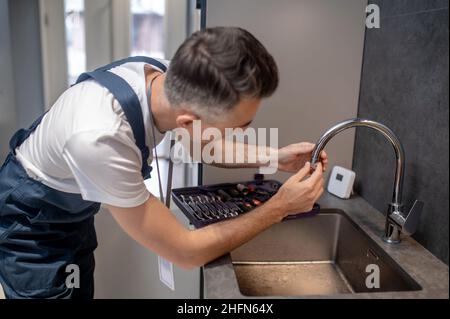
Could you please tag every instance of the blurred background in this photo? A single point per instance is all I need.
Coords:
(331, 68)
(44, 46)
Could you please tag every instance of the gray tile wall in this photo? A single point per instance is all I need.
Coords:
(405, 85)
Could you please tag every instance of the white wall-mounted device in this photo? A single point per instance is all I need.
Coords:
(341, 182)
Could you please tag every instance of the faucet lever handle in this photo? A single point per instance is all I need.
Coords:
(412, 220)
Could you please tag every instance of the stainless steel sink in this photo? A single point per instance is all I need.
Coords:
(322, 255)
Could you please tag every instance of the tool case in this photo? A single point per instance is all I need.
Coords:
(208, 204)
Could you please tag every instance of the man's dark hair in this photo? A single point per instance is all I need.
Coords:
(217, 67)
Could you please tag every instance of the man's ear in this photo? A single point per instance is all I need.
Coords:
(186, 119)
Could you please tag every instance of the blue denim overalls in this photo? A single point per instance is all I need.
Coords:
(43, 230)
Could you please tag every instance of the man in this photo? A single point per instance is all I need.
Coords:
(92, 147)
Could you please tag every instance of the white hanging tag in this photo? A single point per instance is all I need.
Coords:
(166, 272)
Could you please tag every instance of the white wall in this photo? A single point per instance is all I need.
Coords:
(98, 26)
(21, 88)
(318, 45)
(7, 111)
(175, 25)
(53, 44)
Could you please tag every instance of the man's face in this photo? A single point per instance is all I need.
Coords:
(240, 116)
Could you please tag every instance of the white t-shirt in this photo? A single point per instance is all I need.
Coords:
(85, 144)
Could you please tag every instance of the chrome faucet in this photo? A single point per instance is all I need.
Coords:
(396, 221)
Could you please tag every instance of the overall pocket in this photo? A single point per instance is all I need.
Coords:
(5, 232)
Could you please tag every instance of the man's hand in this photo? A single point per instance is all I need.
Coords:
(293, 157)
(298, 195)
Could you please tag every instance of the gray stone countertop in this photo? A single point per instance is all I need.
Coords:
(426, 269)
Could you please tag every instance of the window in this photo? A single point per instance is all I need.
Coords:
(75, 39)
(147, 27)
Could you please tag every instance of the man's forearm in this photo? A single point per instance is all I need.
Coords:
(243, 155)
(156, 228)
(153, 225)
(217, 239)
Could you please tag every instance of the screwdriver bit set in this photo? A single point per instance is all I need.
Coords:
(204, 205)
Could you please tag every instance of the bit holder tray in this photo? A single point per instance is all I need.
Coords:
(208, 204)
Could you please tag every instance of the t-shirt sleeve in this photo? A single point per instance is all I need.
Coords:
(107, 167)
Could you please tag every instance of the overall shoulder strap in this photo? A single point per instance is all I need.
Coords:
(131, 106)
(127, 99)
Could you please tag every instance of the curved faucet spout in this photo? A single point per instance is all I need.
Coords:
(387, 132)
(395, 218)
